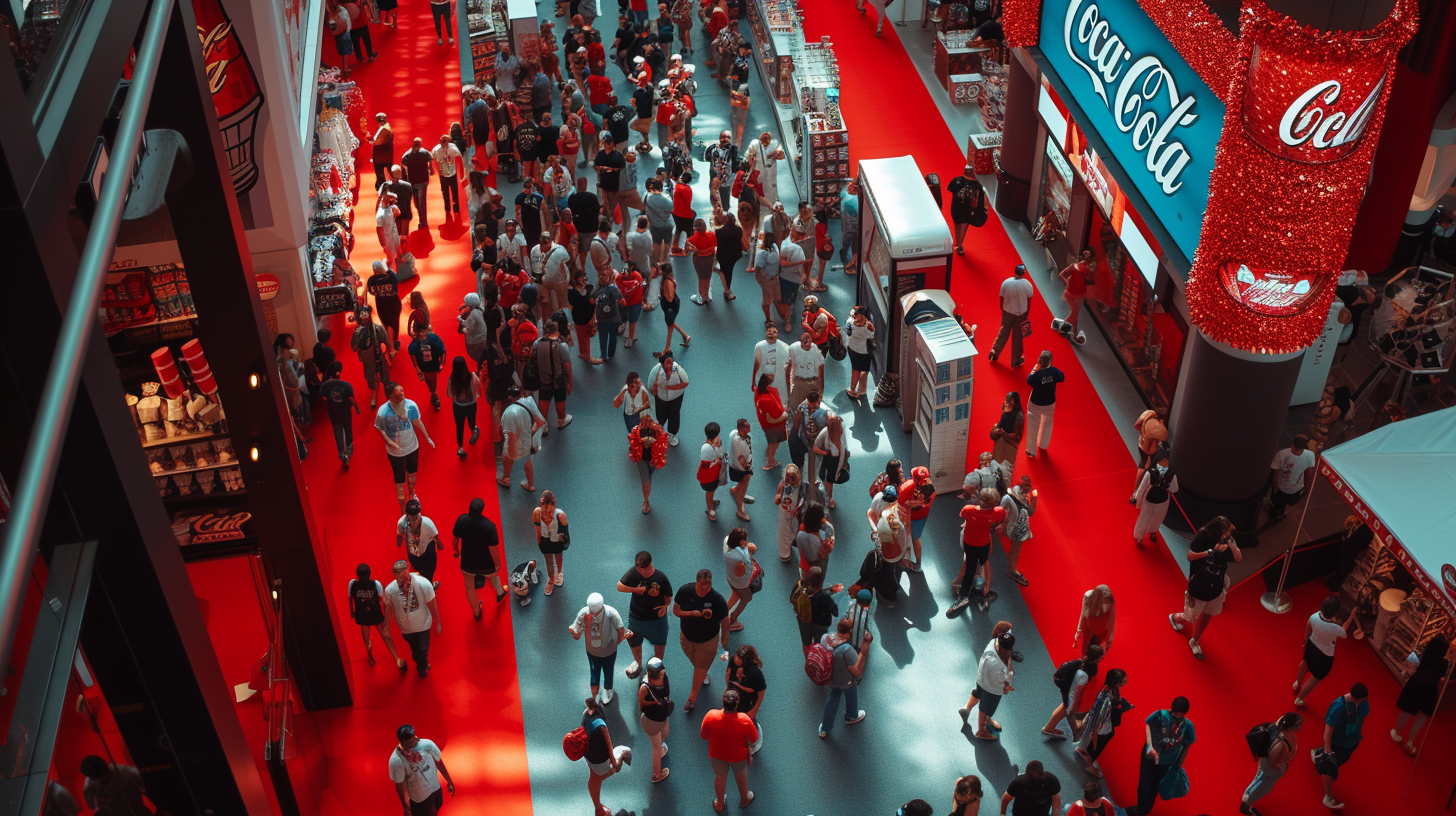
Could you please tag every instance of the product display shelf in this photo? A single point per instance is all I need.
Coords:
(195, 469)
(177, 440)
(487, 22)
(776, 29)
(958, 65)
(822, 141)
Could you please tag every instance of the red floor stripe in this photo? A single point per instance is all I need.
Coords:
(1083, 530)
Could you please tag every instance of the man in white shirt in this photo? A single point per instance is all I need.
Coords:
(993, 681)
(667, 381)
(638, 246)
(804, 369)
(448, 160)
(415, 768)
(550, 260)
(765, 156)
(771, 356)
(512, 244)
(411, 601)
(791, 271)
(519, 423)
(1016, 292)
(1291, 470)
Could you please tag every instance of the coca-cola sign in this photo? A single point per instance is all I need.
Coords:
(1269, 291)
(1308, 120)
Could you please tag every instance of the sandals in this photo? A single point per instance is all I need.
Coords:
(735, 626)
(742, 516)
(686, 340)
(661, 776)
(718, 805)
(506, 483)
(646, 508)
(371, 657)
(729, 296)
(549, 586)
(689, 706)
(770, 465)
(987, 738)
(530, 488)
(400, 664)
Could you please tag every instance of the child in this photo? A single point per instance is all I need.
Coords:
(710, 467)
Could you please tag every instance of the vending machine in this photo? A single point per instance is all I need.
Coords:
(943, 370)
(920, 306)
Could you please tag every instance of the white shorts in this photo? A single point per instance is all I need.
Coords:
(1194, 607)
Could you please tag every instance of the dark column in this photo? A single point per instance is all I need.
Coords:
(1018, 142)
(1225, 428)
(234, 337)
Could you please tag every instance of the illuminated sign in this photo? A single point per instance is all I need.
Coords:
(1269, 291)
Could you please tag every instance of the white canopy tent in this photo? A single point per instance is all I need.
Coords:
(1401, 480)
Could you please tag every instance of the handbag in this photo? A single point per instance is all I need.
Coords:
(836, 347)
(979, 215)
(755, 584)
(1026, 327)
(1175, 783)
(480, 582)
(723, 470)
(565, 537)
(842, 475)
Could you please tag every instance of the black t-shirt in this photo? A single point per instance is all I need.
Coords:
(644, 607)
(619, 122)
(530, 204)
(609, 171)
(642, 100)
(416, 165)
(403, 197)
(965, 194)
(730, 243)
(981, 12)
(586, 211)
(428, 354)
(526, 135)
(323, 357)
(384, 286)
(701, 630)
(626, 37)
(583, 305)
(478, 537)
(480, 129)
(547, 147)
(337, 395)
(1033, 797)
(824, 610)
(739, 71)
(748, 681)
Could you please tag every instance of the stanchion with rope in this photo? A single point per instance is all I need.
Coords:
(1279, 601)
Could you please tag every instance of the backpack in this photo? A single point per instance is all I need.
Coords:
(1261, 739)
(574, 743)
(819, 664)
(606, 306)
(802, 600)
(837, 350)
(1066, 674)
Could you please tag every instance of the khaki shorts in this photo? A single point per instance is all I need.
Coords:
(1194, 607)
(701, 655)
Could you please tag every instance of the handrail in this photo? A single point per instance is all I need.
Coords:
(38, 473)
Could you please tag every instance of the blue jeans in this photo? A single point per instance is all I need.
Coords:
(831, 706)
(639, 18)
(601, 666)
(607, 337)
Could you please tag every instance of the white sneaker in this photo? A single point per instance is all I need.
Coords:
(747, 499)
(672, 440)
(605, 698)
(857, 718)
(1332, 803)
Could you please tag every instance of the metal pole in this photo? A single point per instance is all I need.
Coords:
(37, 475)
(1277, 601)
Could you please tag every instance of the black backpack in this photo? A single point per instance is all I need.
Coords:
(1066, 673)
(1261, 739)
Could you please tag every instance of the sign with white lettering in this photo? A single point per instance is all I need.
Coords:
(1316, 121)
(1159, 120)
(1269, 291)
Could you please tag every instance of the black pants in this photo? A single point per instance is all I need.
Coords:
(1150, 776)
(464, 415)
(425, 564)
(419, 643)
(797, 451)
(418, 192)
(430, 806)
(669, 414)
(1282, 500)
(344, 437)
(1098, 743)
(441, 11)
(726, 267)
(450, 191)
(380, 168)
(362, 43)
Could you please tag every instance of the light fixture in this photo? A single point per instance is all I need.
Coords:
(253, 453)
(254, 381)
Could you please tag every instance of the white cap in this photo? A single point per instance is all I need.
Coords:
(677, 57)
(581, 49)
(689, 68)
(638, 60)
(594, 602)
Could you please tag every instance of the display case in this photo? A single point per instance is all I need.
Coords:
(958, 65)
(776, 30)
(487, 26)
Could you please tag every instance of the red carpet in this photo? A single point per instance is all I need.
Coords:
(470, 704)
(1083, 529)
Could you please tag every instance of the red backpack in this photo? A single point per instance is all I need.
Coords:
(574, 743)
(819, 664)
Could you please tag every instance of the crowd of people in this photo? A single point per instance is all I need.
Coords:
(565, 272)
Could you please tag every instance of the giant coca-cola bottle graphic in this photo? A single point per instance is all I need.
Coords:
(235, 93)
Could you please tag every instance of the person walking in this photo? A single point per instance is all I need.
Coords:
(647, 613)
(1168, 735)
(745, 676)
(859, 341)
(420, 537)
(772, 417)
(810, 416)
(608, 301)
(730, 249)
(370, 341)
(554, 363)
(447, 157)
(583, 315)
(967, 208)
(411, 600)
(804, 370)
(647, 445)
(978, 520)
(771, 356)
(703, 246)
(463, 387)
(712, 467)
(604, 632)
(633, 289)
(814, 606)
(815, 539)
(1093, 802)
(1210, 552)
(729, 733)
(654, 700)
(338, 396)
(1344, 721)
(552, 537)
(634, 401)
(1077, 275)
(740, 567)
(668, 381)
(1321, 633)
(1015, 298)
(704, 625)
(1291, 470)
(383, 286)
(398, 422)
(765, 269)
(427, 355)
(671, 305)
(603, 759)
(366, 607)
(1421, 690)
(740, 466)
(419, 165)
(415, 768)
(1035, 792)
(381, 149)
(847, 672)
(1071, 679)
(1098, 621)
(475, 541)
(519, 423)
(550, 262)
(993, 681)
(1102, 720)
(1283, 743)
(1153, 495)
(1152, 437)
(1041, 406)
(1008, 432)
(833, 454)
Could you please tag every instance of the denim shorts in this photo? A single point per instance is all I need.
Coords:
(653, 631)
(632, 313)
(660, 235)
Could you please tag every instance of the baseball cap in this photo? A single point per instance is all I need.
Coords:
(594, 602)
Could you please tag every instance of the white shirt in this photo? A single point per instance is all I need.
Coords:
(516, 419)
(429, 534)
(1291, 467)
(1017, 294)
(658, 381)
(445, 156)
(1323, 633)
(513, 248)
(791, 262)
(770, 358)
(552, 263)
(740, 447)
(603, 630)
(738, 565)
(858, 337)
(993, 674)
(806, 362)
(558, 181)
(399, 426)
(709, 453)
(824, 443)
(417, 769)
(412, 611)
(635, 405)
(639, 249)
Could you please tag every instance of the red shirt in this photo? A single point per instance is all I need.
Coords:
(601, 89)
(913, 498)
(682, 201)
(510, 287)
(768, 404)
(1077, 280)
(716, 23)
(729, 733)
(978, 523)
(630, 283)
(703, 243)
(665, 112)
(524, 335)
(596, 53)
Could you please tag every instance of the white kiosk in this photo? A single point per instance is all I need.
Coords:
(525, 29)
(939, 404)
(915, 308)
(905, 246)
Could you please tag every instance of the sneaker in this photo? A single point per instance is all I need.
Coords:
(747, 499)
(672, 440)
(634, 670)
(1299, 702)
(435, 401)
(1332, 803)
(1197, 650)
(822, 733)
(955, 608)
(1395, 735)
(460, 452)
(1173, 622)
(697, 300)
(563, 423)
(857, 718)
(607, 696)
(474, 434)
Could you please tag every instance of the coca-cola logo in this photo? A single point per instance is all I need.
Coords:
(1273, 292)
(268, 286)
(1316, 120)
